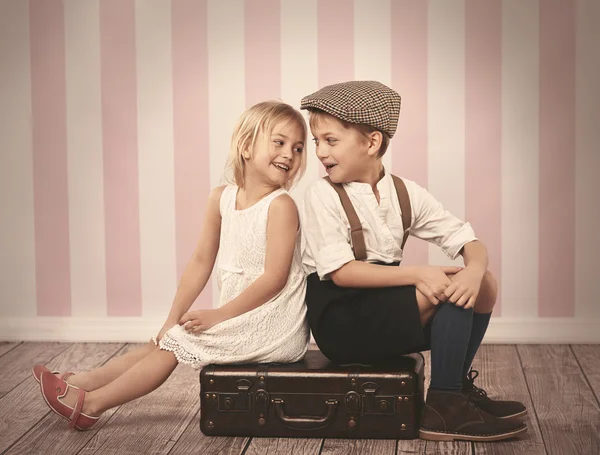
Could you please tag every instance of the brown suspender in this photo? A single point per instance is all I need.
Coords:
(356, 234)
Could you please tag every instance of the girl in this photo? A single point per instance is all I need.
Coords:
(373, 311)
(253, 224)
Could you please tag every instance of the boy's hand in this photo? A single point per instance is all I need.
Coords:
(465, 287)
(432, 281)
(199, 320)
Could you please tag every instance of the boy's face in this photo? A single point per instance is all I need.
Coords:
(343, 151)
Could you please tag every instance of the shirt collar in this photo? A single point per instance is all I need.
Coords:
(365, 188)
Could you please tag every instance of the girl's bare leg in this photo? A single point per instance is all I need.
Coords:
(101, 376)
(139, 380)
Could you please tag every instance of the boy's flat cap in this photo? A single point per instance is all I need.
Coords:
(368, 102)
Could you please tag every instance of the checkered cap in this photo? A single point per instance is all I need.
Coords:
(368, 102)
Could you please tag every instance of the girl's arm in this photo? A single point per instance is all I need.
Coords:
(198, 270)
(282, 231)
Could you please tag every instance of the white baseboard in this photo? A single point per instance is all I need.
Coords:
(120, 329)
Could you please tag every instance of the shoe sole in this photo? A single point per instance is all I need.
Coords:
(440, 436)
(518, 414)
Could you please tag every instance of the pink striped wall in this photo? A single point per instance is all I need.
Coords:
(557, 159)
(409, 77)
(190, 125)
(263, 54)
(49, 134)
(483, 127)
(336, 41)
(119, 121)
(198, 66)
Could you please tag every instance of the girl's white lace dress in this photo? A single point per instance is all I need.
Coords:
(276, 331)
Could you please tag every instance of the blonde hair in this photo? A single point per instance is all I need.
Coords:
(262, 118)
(317, 115)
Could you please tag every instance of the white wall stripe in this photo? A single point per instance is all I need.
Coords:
(85, 162)
(446, 107)
(299, 74)
(373, 47)
(520, 158)
(226, 79)
(138, 330)
(226, 84)
(155, 151)
(17, 263)
(587, 209)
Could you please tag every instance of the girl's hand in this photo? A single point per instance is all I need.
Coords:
(200, 320)
(432, 281)
(465, 287)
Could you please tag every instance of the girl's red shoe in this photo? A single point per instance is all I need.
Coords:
(39, 369)
(53, 389)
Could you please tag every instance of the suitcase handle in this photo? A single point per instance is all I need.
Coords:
(306, 422)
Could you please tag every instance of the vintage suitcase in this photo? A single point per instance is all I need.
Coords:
(313, 398)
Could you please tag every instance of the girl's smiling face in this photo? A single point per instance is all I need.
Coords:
(276, 156)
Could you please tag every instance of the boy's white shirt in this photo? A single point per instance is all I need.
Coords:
(326, 231)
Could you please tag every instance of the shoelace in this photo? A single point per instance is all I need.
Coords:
(476, 392)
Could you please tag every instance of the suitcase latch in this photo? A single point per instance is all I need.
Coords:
(376, 404)
(236, 401)
(352, 402)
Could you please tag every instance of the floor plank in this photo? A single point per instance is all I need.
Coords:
(194, 441)
(153, 423)
(448, 448)
(6, 346)
(275, 446)
(500, 374)
(411, 446)
(24, 408)
(567, 411)
(588, 357)
(359, 446)
(16, 364)
(432, 447)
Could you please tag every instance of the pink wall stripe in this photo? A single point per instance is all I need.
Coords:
(483, 126)
(119, 122)
(335, 32)
(262, 34)
(557, 159)
(190, 129)
(50, 182)
(409, 78)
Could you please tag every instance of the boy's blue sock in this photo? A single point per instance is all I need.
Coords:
(480, 325)
(450, 334)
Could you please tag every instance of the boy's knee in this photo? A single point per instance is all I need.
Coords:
(488, 293)
(491, 284)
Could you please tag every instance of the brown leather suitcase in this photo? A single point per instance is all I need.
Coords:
(313, 398)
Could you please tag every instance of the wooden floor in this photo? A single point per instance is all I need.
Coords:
(560, 384)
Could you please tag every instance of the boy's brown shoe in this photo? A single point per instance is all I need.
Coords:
(497, 408)
(450, 416)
